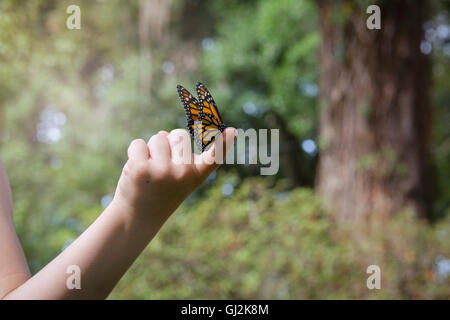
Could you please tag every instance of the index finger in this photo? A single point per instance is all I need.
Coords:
(138, 150)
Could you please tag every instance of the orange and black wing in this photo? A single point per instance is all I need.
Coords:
(209, 108)
(205, 132)
(211, 121)
(191, 107)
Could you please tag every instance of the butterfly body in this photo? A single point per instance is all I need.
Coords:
(203, 118)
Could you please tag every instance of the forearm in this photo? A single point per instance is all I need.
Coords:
(13, 267)
(103, 253)
(154, 181)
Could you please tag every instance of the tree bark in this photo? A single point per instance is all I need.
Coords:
(375, 110)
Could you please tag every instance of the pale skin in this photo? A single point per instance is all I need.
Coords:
(153, 183)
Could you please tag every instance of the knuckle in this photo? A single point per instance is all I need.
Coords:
(127, 168)
(140, 170)
(152, 138)
(178, 132)
(178, 135)
(161, 173)
(139, 140)
(136, 142)
(180, 173)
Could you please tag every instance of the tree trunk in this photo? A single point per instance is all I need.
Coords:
(375, 110)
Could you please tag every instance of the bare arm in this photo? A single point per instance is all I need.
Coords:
(153, 184)
(13, 267)
(103, 253)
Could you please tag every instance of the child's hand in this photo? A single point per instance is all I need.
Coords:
(154, 181)
(158, 177)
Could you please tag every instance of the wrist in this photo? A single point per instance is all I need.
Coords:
(134, 217)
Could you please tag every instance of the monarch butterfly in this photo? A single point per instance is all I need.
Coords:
(203, 118)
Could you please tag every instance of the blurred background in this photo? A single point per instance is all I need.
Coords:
(364, 140)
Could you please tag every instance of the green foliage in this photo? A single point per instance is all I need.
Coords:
(262, 241)
(265, 243)
(440, 139)
(264, 53)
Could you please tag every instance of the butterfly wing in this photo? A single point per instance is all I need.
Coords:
(191, 107)
(208, 106)
(205, 133)
(211, 121)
